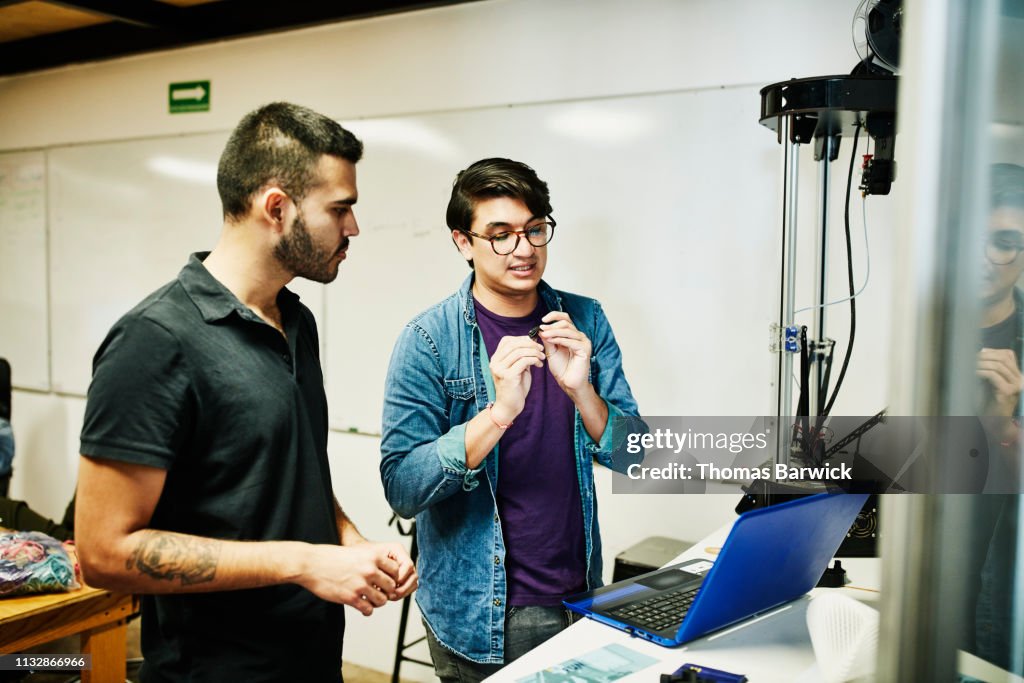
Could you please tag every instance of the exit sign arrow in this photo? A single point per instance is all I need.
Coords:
(188, 96)
(197, 93)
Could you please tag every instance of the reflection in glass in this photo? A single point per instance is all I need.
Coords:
(993, 577)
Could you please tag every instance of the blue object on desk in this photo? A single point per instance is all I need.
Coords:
(695, 673)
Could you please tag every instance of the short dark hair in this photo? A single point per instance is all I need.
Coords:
(279, 143)
(1007, 186)
(490, 178)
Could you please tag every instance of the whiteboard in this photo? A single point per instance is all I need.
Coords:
(124, 218)
(24, 333)
(673, 236)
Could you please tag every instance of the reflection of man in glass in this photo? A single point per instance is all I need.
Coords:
(1002, 301)
(999, 368)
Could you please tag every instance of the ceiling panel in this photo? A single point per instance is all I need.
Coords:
(41, 34)
(28, 19)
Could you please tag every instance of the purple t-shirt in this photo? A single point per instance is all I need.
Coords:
(538, 489)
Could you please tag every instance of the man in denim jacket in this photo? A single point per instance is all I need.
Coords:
(497, 400)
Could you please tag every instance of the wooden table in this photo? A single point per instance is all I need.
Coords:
(99, 617)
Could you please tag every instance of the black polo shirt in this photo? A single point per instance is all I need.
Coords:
(194, 382)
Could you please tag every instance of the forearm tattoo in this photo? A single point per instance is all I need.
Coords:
(171, 556)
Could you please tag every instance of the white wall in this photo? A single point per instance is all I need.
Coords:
(480, 54)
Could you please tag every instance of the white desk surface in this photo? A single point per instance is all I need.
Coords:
(773, 647)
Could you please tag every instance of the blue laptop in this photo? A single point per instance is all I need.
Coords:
(772, 555)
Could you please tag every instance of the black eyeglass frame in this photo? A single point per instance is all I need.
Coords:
(550, 222)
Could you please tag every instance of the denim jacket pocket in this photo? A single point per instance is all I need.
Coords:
(463, 389)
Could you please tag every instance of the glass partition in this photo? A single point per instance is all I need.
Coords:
(953, 583)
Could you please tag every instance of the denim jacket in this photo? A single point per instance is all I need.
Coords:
(6, 447)
(437, 381)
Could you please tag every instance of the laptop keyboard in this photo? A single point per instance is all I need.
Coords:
(663, 611)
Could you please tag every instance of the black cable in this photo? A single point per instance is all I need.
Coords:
(803, 403)
(823, 391)
(803, 400)
(849, 270)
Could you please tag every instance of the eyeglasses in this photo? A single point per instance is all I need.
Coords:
(1003, 246)
(502, 243)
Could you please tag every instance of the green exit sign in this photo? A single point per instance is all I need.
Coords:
(188, 96)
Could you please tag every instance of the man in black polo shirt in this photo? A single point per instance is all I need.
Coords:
(204, 481)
